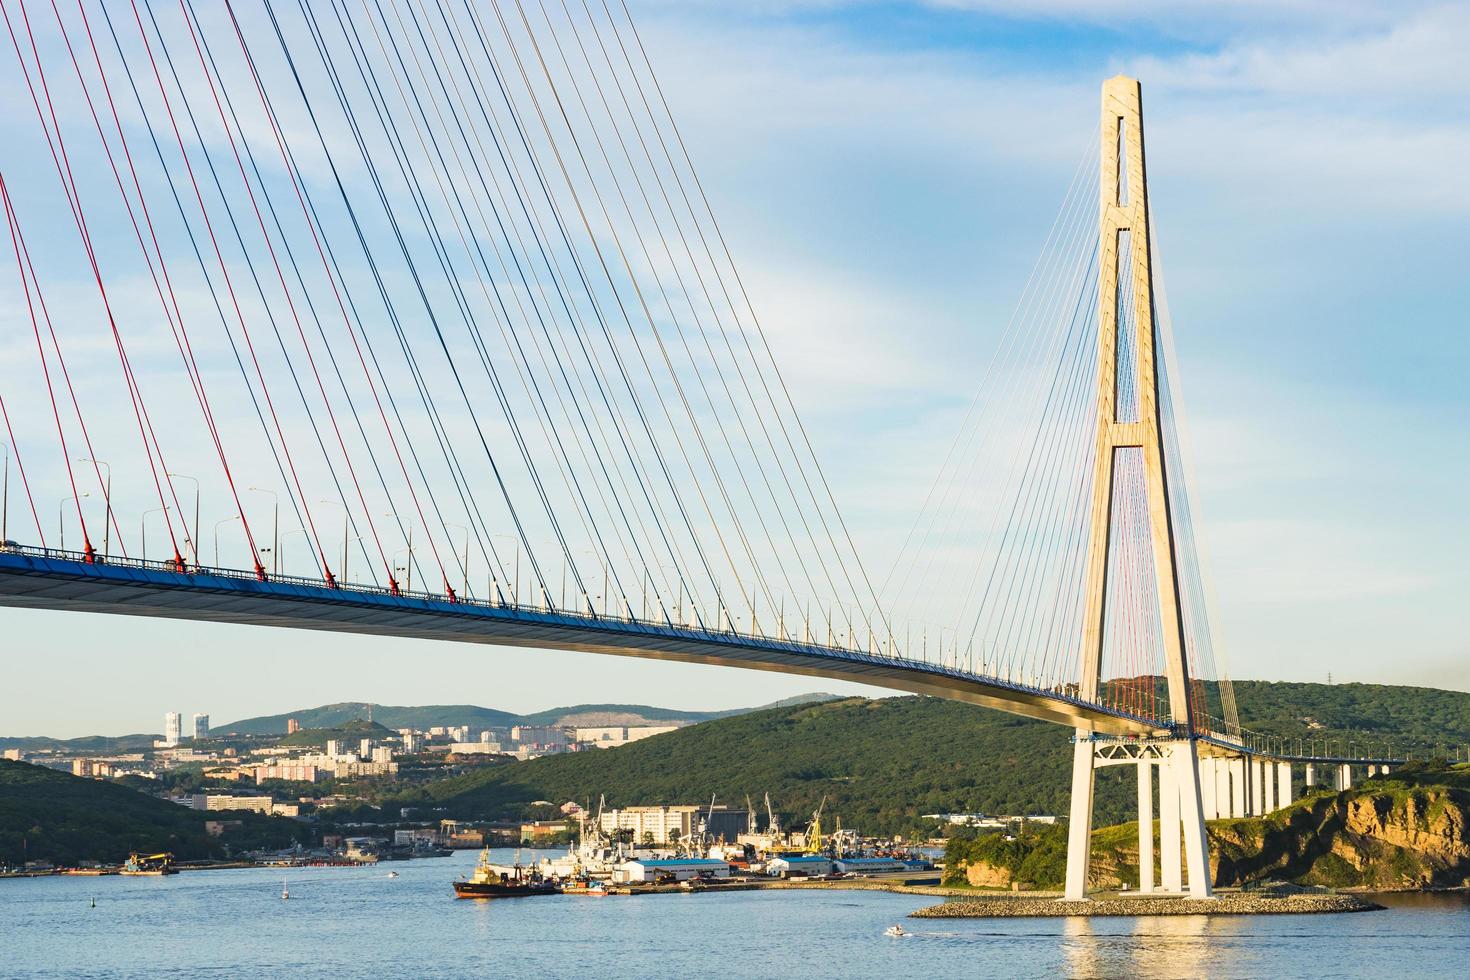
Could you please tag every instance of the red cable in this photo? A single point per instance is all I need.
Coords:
(291, 305)
(20, 465)
(175, 315)
(111, 515)
(229, 286)
(74, 201)
(14, 228)
(331, 279)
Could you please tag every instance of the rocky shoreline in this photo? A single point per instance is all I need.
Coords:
(1227, 904)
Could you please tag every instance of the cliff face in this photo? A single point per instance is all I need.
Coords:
(1384, 835)
(1381, 836)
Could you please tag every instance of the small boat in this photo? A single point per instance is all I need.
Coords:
(148, 865)
(393, 874)
(895, 931)
(285, 892)
(498, 881)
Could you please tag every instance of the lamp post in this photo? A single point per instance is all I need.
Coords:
(515, 585)
(393, 564)
(275, 528)
(299, 530)
(106, 501)
(466, 568)
(143, 528)
(346, 518)
(61, 516)
(217, 526)
(5, 498)
(193, 538)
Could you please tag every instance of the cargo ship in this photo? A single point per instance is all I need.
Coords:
(499, 881)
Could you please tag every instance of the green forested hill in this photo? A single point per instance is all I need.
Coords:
(883, 763)
(54, 816)
(879, 763)
(476, 717)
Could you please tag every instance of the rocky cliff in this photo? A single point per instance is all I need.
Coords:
(1386, 834)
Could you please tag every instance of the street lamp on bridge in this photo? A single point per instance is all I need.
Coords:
(143, 529)
(275, 548)
(61, 515)
(106, 501)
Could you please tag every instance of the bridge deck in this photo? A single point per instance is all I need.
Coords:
(48, 579)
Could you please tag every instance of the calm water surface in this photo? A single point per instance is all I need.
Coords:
(357, 922)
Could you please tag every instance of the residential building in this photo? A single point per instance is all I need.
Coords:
(15, 755)
(538, 735)
(211, 801)
(171, 732)
(292, 726)
(475, 748)
(81, 767)
(334, 747)
(291, 772)
(201, 725)
(365, 749)
(382, 753)
(412, 744)
(659, 824)
(612, 737)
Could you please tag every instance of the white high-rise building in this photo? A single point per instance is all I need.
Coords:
(171, 724)
(201, 725)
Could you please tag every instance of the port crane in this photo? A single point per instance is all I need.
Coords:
(814, 829)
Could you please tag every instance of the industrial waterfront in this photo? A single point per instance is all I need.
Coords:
(358, 922)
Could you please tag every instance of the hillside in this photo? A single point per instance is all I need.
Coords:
(1407, 831)
(348, 731)
(476, 717)
(884, 763)
(53, 816)
(879, 763)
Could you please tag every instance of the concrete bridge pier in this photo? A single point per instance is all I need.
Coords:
(1283, 784)
(1311, 776)
(1170, 870)
(1183, 848)
(1238, 772)
(1207, 787)
(1145, 825)
(1222, 788)
(1344, 777)
(1268, 787)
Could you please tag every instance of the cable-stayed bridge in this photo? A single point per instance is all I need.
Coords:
(420, 307)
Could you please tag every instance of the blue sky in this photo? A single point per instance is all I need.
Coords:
(886, 174)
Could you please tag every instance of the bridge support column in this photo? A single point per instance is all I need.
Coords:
(1184, 759)
(1238, 771)
(1222, 788)
(1079, 827)
(1344, 777)
(1283, 784)
(1311, 776)
(1145, 825)
(1268, 787)
(1258, 791)
(1170, 868)
(1208, 787)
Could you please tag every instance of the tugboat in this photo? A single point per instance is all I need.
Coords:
(499, 881)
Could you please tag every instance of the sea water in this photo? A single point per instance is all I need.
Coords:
(359, 922)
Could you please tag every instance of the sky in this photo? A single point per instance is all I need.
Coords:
(886, 174)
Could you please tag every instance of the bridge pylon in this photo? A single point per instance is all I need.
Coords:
(1128, 423)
